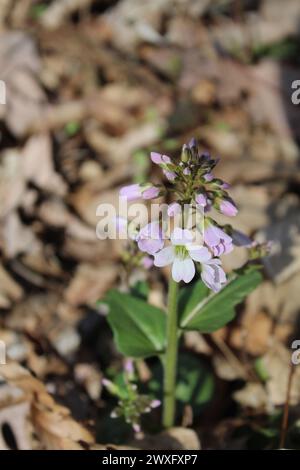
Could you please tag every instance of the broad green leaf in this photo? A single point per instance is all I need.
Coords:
(190, 296)
(139, 328)
(194, 384)
(215, 310)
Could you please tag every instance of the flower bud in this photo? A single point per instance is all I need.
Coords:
(227, 207)
(185, 154)
(131, 192)
(150, 192)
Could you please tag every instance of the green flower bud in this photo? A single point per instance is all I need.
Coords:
(185, 154)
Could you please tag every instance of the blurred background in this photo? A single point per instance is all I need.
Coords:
(92, 86)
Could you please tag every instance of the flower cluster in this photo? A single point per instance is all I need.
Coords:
(131, 404)
(191, 182)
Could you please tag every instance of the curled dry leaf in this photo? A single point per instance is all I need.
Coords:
(8, 286)
(57, 12)
(38, 165)
(276, 363)
(51, 423)
(19, 65)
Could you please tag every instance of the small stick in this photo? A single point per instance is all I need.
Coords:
(284, 425)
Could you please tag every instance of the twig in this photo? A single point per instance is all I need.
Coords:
(284, 424)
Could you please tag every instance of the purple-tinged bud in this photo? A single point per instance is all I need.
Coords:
(106, 383)
(111, 387)
(160, 159)
(227, 207)
(174, 209)
(201, 199)
(150, 192)
(136, 428)
(131, 192)
(128, 366)
(155, 403)
(170, 175)
(208, 177)
(186, 171)
(192, 144)
(225, 185)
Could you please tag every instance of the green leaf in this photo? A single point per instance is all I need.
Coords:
(140, 290)
(215, 310)
(195, 383)
(190, 296)
(139, 328)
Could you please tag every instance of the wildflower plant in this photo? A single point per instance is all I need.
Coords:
(189, 240)
(131, 404)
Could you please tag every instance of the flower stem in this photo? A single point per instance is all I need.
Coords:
(170, 360)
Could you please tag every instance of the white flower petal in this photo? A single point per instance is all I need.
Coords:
(199, 253)
(189, 270)
(183, 270)
(164, 257)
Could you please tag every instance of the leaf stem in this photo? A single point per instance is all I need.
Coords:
(170, 360)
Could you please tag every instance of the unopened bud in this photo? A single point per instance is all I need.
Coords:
(185, 154)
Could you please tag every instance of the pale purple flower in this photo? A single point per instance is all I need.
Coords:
(131, 192)
(137, 191)
(150, 238)
(187, 171)
(150, 193)
(174, 209)
(182, 254)
(227, 207)
(219, 242)
(201, 199)
(212, 274)
(170, 175)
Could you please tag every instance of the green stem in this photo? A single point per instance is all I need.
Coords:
(170, 360)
